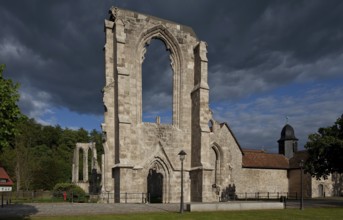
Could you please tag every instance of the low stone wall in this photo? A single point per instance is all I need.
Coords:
(230, 206)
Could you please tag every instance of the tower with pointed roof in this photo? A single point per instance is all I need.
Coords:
(288, 143)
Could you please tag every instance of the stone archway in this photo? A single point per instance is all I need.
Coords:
(155, 187)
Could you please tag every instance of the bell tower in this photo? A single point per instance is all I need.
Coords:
(288, 143)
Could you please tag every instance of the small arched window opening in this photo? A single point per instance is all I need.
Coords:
(81, 164)
(210, 125)
(295, 146)
(89, 162)
(215, 161)
(157, 83)
(321, 192)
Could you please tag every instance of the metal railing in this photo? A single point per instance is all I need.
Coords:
(30, 196)
(126, 197)
(258, 196)
(45, 196)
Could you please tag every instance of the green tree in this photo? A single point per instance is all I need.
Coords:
(26, 139)
(41, 156)
(9, 110)
(325, 149)
(82, 135)
(70, 137)
(50, 135)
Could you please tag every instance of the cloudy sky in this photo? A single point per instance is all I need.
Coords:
(267, 60)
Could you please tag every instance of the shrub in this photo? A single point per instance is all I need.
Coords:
(73, 192)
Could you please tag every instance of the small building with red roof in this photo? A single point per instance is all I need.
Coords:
(5, 181)
(256, 172)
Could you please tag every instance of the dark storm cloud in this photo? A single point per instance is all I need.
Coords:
(55, 47)
(275, 44)
(309, 29)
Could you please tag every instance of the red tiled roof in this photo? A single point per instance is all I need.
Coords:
(261, 159)
(4, 175)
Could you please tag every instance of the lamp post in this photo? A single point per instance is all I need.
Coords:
(301, 165)
(182, 156)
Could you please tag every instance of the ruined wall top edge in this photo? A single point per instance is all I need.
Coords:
(119, 13)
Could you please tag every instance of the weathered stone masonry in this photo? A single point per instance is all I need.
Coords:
(132, 147)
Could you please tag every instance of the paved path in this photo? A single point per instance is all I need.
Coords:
(53, 209)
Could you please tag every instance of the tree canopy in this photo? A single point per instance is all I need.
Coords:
(325, 149)
(42, 155)
(9, 110)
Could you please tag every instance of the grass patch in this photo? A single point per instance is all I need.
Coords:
(286, 214)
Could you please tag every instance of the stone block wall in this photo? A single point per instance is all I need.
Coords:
(295, 183)
(262, 180)
(230, 153)
(322, 187)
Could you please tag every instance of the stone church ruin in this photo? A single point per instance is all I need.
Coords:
(142, 158)
(95, 170)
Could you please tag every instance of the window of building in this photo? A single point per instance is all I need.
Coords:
(157, 83)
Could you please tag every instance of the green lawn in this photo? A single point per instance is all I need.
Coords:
(287, 214)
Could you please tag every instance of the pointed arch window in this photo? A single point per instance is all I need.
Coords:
(175, 55)
(215, 161)
(157, 83)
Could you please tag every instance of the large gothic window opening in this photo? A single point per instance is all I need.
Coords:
(157, 83)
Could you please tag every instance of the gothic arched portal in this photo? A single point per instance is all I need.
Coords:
(155, 187)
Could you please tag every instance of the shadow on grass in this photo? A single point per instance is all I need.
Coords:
(17, 211)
